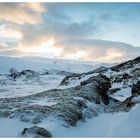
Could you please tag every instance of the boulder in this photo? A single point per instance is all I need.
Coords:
(70, 110)
(36, 131)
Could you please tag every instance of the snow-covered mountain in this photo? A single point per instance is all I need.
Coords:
(39, 64)
(61, 98)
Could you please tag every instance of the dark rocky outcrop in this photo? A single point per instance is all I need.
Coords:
(126, 65)
(136, 89)
(65, 80)
(75, 76)
(121, 77)
(70, 102)
(102, 85)
(27, 73)
(36, 131)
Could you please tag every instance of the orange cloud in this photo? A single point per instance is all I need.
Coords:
(35, 6)
(17, 13)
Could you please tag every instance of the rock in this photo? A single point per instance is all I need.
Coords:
(113, 90)
(121, 77)
(63, 73)
(36, 131)
(70, 110)
(90, 112)
(24, 118)
(100, 69)
(126, 65)
(102, 88)
(36, 120)
(13, 73)
(65, 80)
(28, 73)
(136, 89)
(136, 72)
(70, 102)
(127, 104)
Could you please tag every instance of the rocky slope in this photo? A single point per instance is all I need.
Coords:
(78, 97)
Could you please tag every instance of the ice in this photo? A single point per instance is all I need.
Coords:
(122, 94)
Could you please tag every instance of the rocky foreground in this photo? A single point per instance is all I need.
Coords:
(78, 98)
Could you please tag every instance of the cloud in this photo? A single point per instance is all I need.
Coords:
(7, 31)
(35, 6)
(70, 31)
(97, 50)
(21, 14)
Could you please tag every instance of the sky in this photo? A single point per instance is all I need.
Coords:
(99, 32)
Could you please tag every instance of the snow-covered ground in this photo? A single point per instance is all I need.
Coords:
(122, 124)
(39, 64)
(23, 87)
(116, 124)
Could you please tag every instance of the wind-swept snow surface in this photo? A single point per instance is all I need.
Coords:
(68, 99)
(122, 124)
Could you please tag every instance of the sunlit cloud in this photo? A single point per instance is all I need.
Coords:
(97, 50)
(78, 31)
(45, 48)
(8, 32)
(17, 13)
(75, 56)
(35, 6)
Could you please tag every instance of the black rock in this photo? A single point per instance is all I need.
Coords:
(136, 89)
(113, 90)
(126, 65)
(37, 132)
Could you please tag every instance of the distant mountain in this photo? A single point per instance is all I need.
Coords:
(39, 64)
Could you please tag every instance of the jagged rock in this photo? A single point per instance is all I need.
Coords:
(36, 131)
(70, 102)
(65, 80)
(14, 73)
(102, 85)
(72, 76)
(136, 89)
(100, 70)
(113, 90)
(28, 73)
(136, 72)
(127, 104)
(70, 110)
(126, 65)
(121, 77)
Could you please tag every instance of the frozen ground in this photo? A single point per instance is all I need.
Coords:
(122, 124)
(39, 64)
(23, 87)
(115, 124)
